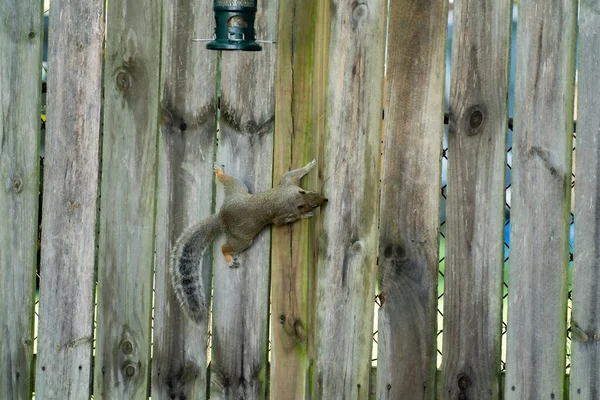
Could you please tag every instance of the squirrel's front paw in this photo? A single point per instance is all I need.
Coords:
(234, 263)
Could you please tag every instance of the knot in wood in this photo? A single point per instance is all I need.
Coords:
(123, 81)
(17, 185)
(463, 382)
(356, 246)
(395, 253)
(360, 12)
(127, 347)
(474, 119)
(130, 369)
(72, 206)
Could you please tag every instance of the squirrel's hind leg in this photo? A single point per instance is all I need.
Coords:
(231, 184)
(232, 247)
(293, 177)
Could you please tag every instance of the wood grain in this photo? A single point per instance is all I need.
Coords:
(241, 295)
(585, 323)
(348, 85)
(127, 207)
(69, 210)
(541, 182)
(475, 199)
(20, 79)
(292, 265)
(410, 191)
(188, 130)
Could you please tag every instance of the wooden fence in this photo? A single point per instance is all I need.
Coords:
(137, 114)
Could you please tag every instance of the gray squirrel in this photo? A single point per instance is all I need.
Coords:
(241, 217)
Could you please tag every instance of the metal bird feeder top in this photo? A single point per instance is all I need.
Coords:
(235, 26)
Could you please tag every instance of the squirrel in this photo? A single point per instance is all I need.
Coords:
(241, 217)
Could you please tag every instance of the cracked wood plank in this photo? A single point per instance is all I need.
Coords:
(293, 247)
(127, 207)
(348, 96)
(241, 295)
(20, 101)
(540, 200)
(585, 358)
(70, 205)
(473, 275)
(410, 192)
(188, 129)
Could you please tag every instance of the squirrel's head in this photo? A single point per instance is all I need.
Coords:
(298, 203)
(307, 201)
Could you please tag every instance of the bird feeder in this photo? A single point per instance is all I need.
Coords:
(235, 26)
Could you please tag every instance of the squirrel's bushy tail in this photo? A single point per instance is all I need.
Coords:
(187, 274)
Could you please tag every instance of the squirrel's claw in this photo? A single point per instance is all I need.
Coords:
(231, 261)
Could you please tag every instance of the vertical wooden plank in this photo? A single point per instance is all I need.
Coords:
(585, 324)
(20, 77)
(291, 260)
(241, 295)
(188, 130)
(70, 205)
(350, 52)
(127, 208)
(475, 205)
(540, 206)
(409, 221)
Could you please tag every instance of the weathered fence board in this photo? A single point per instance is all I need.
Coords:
(185, 190)
(350, 52)
(127, 206)
(585, 323)
(20, 100)
(322, 100)
(475, 205)
(292, 263)
(409, 216)
(70, 203)
(241, 295)
(540, 207)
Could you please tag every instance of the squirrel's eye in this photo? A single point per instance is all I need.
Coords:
(301, 192)
(301, 206)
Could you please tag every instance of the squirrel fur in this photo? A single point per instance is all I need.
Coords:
(241, 217)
